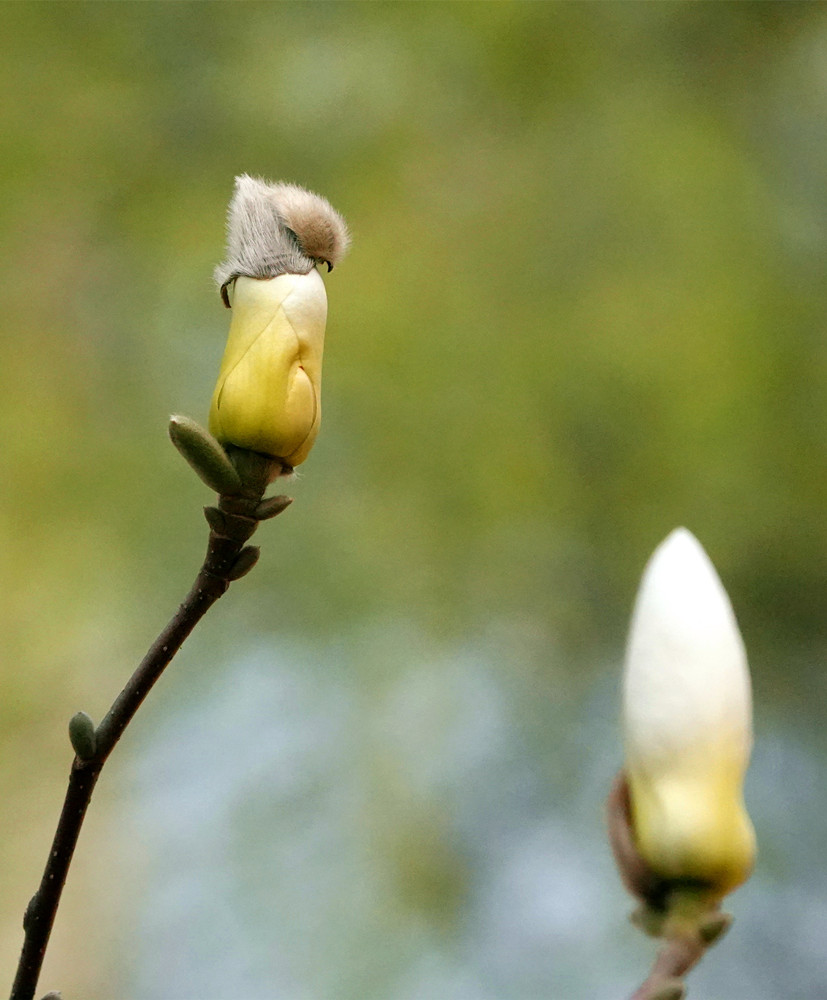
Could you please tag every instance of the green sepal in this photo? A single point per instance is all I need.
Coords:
(205, 455)
(649, 920)
(216, 520)
(271, 507)
(247, 558)
(82, 736)
(713, 927)
(254, 469)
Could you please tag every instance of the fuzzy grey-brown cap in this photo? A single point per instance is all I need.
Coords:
(277, 229)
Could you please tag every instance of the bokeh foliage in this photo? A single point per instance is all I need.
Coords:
(585, 303)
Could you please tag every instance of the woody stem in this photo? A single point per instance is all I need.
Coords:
(232, 528)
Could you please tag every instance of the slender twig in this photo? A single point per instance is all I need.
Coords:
(677, 956)
(687, 935)
(233, 522)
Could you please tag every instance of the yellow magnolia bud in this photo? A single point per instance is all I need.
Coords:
(687, 715)
(268, 395)
(267, 398)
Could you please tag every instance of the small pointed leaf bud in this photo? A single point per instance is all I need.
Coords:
(82, 736)
(216, 519)
(713, 927)
(271, 507)
(205, 455)
(30, 912)
(687, 714)
(247, 558)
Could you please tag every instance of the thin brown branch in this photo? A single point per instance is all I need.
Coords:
(231, 528)
(675, 959)
(688, 928)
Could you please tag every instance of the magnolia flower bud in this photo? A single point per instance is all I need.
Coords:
(687, 723)
(268, 395)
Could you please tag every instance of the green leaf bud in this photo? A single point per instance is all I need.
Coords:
(205, 455)
(271, 507)
(247, 558)
(713, 927)
(31, 911)
(216, 520)
(82, 736)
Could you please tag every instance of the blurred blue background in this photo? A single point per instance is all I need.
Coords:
(585, 303)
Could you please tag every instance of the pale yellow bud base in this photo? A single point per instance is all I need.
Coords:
(683, 912)
(693, 826)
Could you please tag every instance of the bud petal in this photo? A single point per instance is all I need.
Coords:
(687, 716)
(268, 395)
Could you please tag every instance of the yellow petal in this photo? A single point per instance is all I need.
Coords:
(267, 398)
(691, 823)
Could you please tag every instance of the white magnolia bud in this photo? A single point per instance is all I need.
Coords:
(687, 716)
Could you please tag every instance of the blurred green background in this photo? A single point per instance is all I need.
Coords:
(585, 303)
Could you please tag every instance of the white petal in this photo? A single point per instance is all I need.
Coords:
(686, 685)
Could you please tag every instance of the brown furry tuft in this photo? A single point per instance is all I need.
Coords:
(321, 231)
(277, 229)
